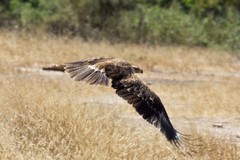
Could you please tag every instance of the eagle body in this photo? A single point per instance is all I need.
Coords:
(99, 71)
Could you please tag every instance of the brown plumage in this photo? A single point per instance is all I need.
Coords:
(98, 71)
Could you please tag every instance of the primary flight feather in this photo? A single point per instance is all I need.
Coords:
(99, 71)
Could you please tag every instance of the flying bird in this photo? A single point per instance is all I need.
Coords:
(100, 71)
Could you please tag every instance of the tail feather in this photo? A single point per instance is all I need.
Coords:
(55, 67)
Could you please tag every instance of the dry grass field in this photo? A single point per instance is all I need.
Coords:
(46, 115)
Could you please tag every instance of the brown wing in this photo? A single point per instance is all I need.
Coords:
(147, 104)
(89, 71)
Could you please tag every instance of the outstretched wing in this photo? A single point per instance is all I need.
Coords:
(90, 71)
(147, 104)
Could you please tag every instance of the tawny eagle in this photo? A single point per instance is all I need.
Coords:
(99, 71)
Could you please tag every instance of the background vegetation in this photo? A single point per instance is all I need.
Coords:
(209, 23)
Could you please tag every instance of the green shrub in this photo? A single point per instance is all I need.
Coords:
(201, 22)
(56, 16)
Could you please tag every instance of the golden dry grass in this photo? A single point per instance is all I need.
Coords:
(45, 116)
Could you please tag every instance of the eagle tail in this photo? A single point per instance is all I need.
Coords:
(55, 67)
